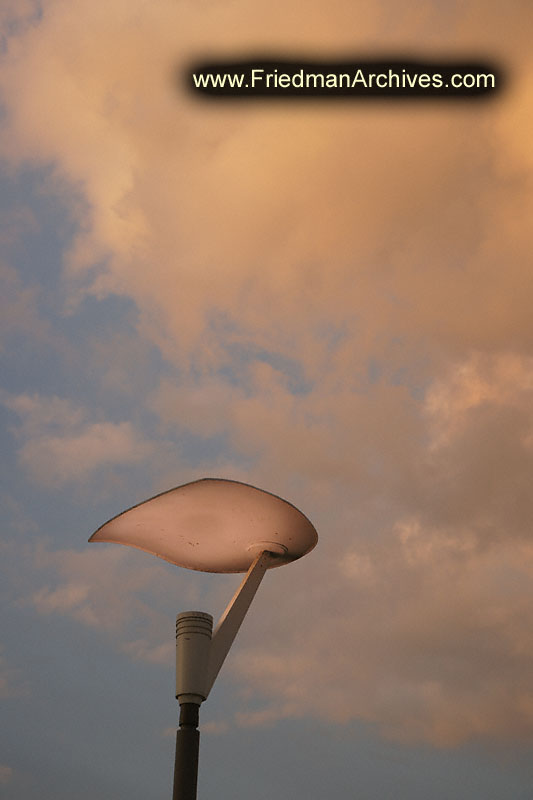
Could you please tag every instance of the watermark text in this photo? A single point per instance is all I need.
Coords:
(346, 79)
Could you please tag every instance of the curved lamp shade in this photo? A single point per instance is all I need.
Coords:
(213, 525)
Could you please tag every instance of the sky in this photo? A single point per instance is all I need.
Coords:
(328, 300)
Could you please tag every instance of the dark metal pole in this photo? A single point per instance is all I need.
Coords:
(187, 749)
(193, 645)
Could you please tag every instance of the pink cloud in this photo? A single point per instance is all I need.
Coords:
(60, 445)
(384, 253)
(6, 774)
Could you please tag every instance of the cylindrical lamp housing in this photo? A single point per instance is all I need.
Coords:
(193, 645)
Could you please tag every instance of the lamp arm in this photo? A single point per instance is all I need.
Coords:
(231, 620)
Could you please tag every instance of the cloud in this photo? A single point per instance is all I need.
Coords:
(415, 616)
(427, 642)
(128, 596)
(342, 295)
(262, 225)
(143, 650)
(413, 612)
(6, 774)
(10, 683)
(56, 460)
(61, 446)
(214, 728)
(83, 585)
(480, 381)
(18, 306)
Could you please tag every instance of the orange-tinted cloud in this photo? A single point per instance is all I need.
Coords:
(61, 446)
(346, 291)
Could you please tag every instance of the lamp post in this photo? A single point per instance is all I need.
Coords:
(211, 525)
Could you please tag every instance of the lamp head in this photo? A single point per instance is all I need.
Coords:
(213, 525)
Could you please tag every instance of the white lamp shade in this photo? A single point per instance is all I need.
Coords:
(213, 525)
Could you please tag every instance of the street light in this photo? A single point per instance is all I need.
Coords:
(211, 525)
